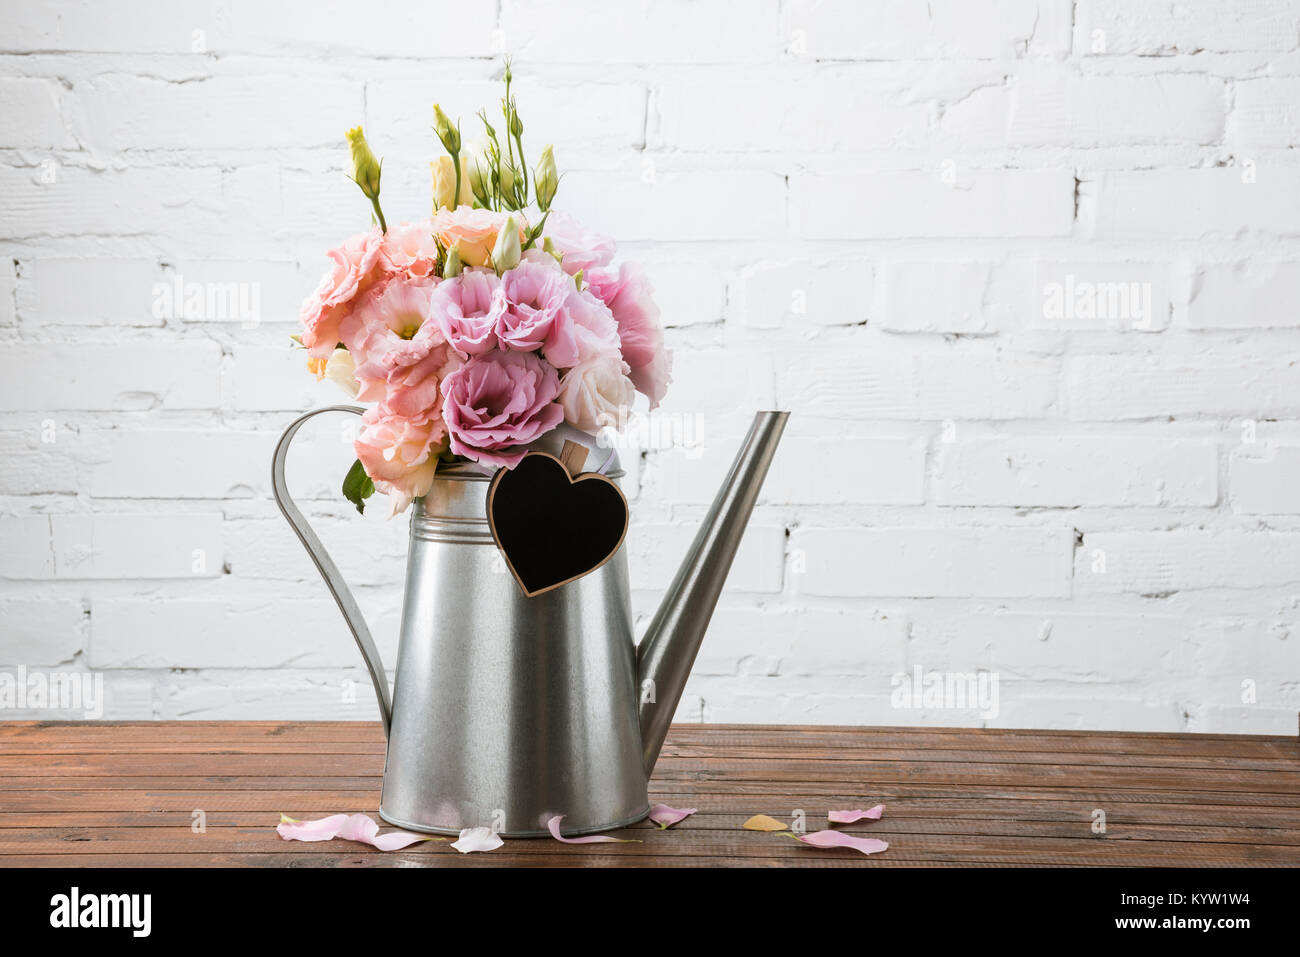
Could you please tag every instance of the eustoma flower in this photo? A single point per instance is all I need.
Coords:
(628, 295)
(497, 402)
(475, 230)
(399, 453)
(478, 331)
(356, 267)
(466, 309)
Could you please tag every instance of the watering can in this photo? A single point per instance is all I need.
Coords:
(508, 710)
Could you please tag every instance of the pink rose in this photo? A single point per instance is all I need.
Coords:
(498, 401)
(410, 248)
(465, 310)
(628, 294)
(357, 265)
(581, 248)
(597, 393)
(476, 231)
(399, 454)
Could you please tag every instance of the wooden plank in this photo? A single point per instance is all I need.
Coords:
(122, 795)
(683, 736)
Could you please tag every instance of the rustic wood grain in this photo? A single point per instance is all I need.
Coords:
(122, 794)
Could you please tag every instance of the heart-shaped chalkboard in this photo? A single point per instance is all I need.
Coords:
(553, 527)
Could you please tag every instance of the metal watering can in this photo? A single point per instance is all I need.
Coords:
(508, 710)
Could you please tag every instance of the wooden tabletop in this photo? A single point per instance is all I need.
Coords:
(126, 794)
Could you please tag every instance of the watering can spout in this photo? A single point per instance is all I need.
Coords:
(667, 652)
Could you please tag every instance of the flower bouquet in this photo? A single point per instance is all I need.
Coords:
(477, 332)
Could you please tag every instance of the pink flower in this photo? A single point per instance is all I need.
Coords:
(476, 231)
(581, 248)
(597, 393)
(410, 248)
(498, 401)
(387, 328)
(465, 310)
(399, 453)
(535, 303)
(357, 265)
(628, 294)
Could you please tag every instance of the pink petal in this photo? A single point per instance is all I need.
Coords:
(348, 827)
(851, 817)
(867, 845)
(322, 830)
(666, 816)
(477, 839)
(553, 825)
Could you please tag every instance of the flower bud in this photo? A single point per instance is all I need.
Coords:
(341, 369)
(453, 266)
(546, 179)
(444, 185)
(365, 168)
(446, 131)
(507, 179)
(507, 251)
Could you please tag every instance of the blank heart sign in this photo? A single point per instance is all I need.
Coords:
(553, 527)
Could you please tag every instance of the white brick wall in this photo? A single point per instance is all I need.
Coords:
(1025, 271)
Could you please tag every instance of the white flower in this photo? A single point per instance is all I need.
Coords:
(594, 392)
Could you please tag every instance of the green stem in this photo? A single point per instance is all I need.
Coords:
(374, 201)
(455, 161)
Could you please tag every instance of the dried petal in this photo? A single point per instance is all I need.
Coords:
(761, 822)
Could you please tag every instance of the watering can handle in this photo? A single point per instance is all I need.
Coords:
(325, 565)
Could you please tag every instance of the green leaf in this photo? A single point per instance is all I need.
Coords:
(357, 486)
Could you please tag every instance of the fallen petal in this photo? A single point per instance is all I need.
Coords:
(761, 822)
(323, 830)
(867, 845)
(666, 816)
(349, 827)
(852, 817)
(553, 825)
(477, 839)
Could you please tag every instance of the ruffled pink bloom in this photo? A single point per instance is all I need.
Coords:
(497, 402)
(401, 355)
(465, 310)
(629, 296)
(410, 248)
(398, 453)
(357, 264)
(535, 300)
(581, 248)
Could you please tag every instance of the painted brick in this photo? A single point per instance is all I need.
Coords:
(933, 562)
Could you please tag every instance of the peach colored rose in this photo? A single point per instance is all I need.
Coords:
(475, 230)
(399, 454)
(409, 248)
(358, 263)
